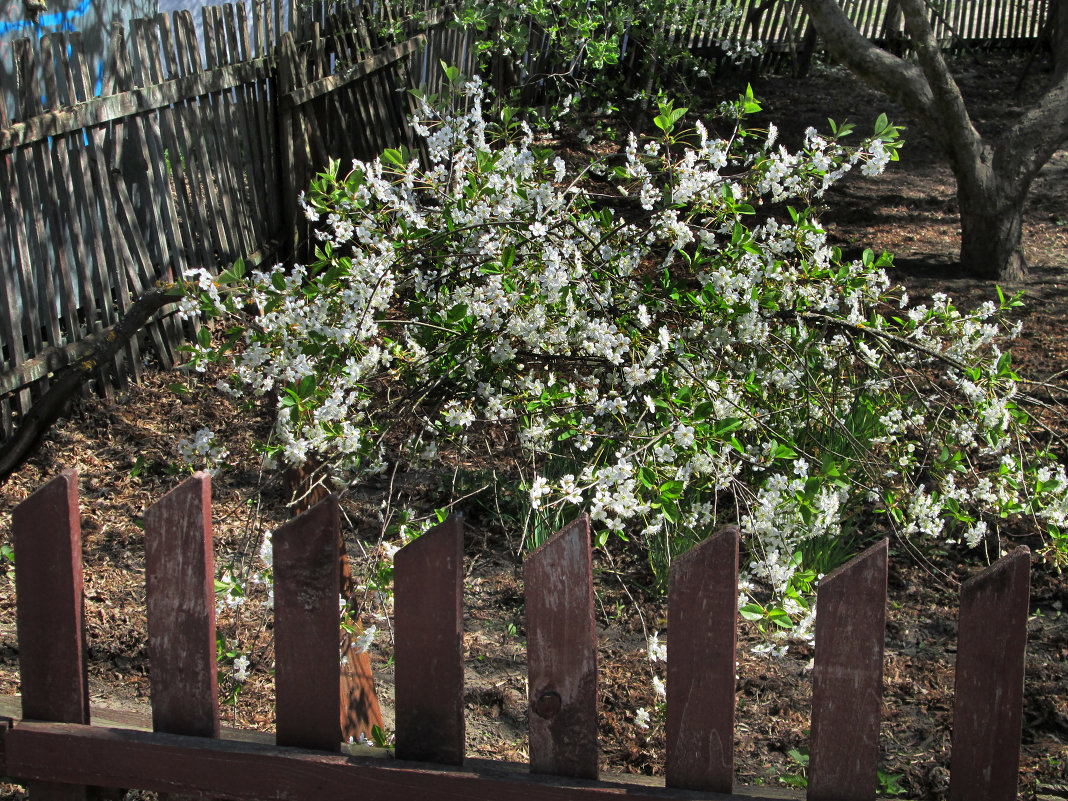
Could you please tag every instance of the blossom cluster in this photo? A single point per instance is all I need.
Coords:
(665, 366)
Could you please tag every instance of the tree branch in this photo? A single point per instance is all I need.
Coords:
(47, 409)
(955, 127)
(899, 79)
(1027, 146)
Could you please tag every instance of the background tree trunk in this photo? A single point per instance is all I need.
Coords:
(991, 221)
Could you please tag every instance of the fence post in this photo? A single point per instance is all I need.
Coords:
(53, 673)
(180, 596)
(989, 679)
(562, 654)
(429, 646)
(702, 624)
(307, 585)
(847, 679)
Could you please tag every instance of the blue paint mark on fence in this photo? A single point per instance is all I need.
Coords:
(60, 21)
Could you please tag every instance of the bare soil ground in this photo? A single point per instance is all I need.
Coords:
(125, 452)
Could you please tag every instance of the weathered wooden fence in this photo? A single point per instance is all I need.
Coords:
(180, 163)
(778, 23)
(54, 750)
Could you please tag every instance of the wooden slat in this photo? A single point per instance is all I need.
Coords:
(241, 136)
(988, 689)
(258, 164)
(53, 672)
(170, 172)
(184, 160)
(43, 293)
(129, 140)
(241, 770)
(306, 591)
(428, 646)
(11, 315)
(167, 251)
(70, 248)
(702, 624)
(367, 142)
(562, 654)
(355, 129)
(292, 144)
(847, 679)
(223, 135)
(46, 532)
(200, 122)
(108, 244)
(132, 258)
(180, 598)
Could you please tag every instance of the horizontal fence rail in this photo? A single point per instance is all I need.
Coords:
(185, 753)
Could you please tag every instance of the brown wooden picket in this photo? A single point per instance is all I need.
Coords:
(53, 673)
(562, 664)
(988, 691)
(562, 654)
(180, 605)
(847, 679)
(702, 619)
(307, 587)
(429, 646)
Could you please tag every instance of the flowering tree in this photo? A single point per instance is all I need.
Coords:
(696, 356)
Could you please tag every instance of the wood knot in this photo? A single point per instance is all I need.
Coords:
(547, 704)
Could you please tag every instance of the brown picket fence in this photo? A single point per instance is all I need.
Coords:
(57, 754)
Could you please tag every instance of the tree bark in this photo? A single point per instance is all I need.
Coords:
(991, 218)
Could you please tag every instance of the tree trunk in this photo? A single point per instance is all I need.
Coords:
(991, 221)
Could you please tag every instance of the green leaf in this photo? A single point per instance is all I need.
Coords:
(752, 612)
(178, 388)
(726, 426)
(672, 489)
(785, 452)
(306, 387)
(508, 257)
(646, 476)
(749, 101)
(457, 313)
(378, 736)
(704, 410)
